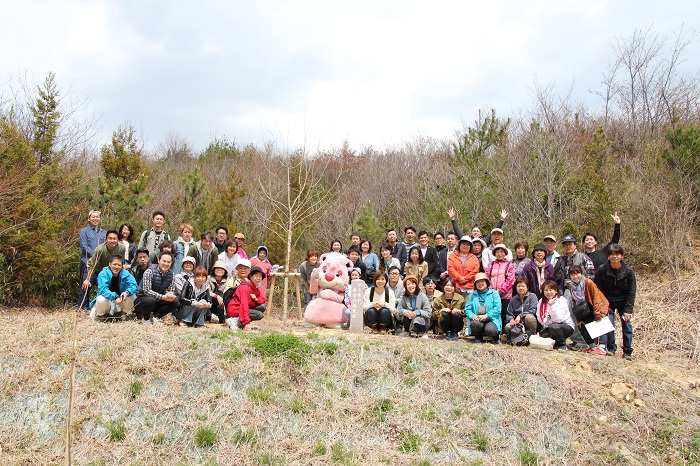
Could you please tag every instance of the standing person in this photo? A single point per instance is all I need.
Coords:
(553, 315)
(386, 260)
(496, 240)
(156, 295)
(370, 260)
(166, 246)
(538, 270)
(520, 260)
(354, 256)
(305, 270)
(116, 288)
(416, 266)
(126, 238)
(550, 243)
(204, 251)
(476, 230)
(590, 244)
(398, 249)
(618, 282)
(195, 300)
(240, 239)
(409, 234)
(414, 309)
(379, 305)
(501, 274)
(463, 266)
(483, 309)
(478, 246)
(221, 238)
(430, 254)
(230, 256)
(442, 253)
(151, 238)
(588, 305)
(354, 241)
(89, 238)
(260, 260)
(182, 245)
(247, 303)
(336, 246)
(572, 256)
(448, 310)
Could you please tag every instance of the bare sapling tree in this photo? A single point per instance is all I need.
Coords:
(294, 189)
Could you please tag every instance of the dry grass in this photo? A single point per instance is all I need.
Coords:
(169, 395)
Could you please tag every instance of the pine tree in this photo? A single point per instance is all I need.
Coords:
(46, 120)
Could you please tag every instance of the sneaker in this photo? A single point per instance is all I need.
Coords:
(504, 338)
(232, 323)
(610, 353)
(146, 322)
(587, 350)
(214, 319)
(627, 356)
(478, 340)
(562, 348)
(156, 322)
(598, 351)
(404, 333)
(424, 336)
(93, 313)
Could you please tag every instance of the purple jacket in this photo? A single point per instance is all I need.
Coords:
(531, 272)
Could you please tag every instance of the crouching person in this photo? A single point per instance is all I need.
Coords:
(116, 288)
(484, 310)
(156, 295)
(195, 300)
(521, 310)
(379, 305)
(414, 309)
(248, 301)
(588, 304)
(553, 315)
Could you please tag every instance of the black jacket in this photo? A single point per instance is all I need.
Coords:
(619, 286)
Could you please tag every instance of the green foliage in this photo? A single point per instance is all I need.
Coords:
(683, 155)
(288, 345)
(527, 457)
(260, 394)
(205, 437)
(409, 441)
(158, 439)
(123, 190)
(368, 226)
(46, 120)
(135, 389)
(244, 436)
(379, 410)
(480, 440)
(116, 430)
(327, 347)
(319, 450)
(342, 455)
(231, 355)
(475, 143)
(297, 405)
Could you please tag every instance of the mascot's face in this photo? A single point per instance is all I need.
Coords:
(333, 273)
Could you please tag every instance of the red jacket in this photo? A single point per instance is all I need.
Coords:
(241, 302)
(459, 272)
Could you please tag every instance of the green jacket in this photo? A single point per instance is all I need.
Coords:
(213, 256)
(100, 258)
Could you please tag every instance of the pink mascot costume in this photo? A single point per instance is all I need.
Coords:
(329, 281)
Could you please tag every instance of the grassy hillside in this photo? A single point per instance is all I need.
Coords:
(288, 394)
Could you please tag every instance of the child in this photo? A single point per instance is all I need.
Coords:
(217, 284)
(195, 300)
(355, 274)
(247, 303)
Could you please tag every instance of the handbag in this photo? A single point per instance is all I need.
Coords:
(538, 342)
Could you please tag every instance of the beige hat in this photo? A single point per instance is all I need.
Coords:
(552, 237)
(219, 265)
(239, 235)
(482, 276)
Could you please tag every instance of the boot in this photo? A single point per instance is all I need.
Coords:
(382, 329)
(375, 328)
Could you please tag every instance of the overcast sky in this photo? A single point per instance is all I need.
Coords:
(369, 72)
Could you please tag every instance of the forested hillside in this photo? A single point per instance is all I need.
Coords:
(557, 167)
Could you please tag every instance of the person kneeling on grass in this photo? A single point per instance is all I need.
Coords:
(379, 305)
(248, 302)
(448, 310)
(414, 309)
(484, 310)
(553, 315)
(115, 291)
(588, 304)
(521, 310)
(195, 300)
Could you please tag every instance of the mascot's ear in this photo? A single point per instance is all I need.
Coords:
(323, 258)
(348, 264)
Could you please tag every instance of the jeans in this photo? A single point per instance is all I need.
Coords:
(418, 328)
(191, 314)
(379, 316)
(609, 339)
(84, 295)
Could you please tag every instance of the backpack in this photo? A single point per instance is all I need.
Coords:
(386, 294)
(228, 295)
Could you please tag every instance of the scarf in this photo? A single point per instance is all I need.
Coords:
(540, 272)
(577, 291)
(544, 311)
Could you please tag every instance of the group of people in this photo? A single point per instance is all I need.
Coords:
(197, 281)
(475, 285)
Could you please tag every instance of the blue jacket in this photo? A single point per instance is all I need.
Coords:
(89, 239)
(492, 302)
(127, 283)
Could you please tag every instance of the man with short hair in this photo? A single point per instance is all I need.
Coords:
(204, 251)
(409, 234)
(116, 289)
(354, 241)
(590, 243)
(141, 265)
(618, 283)
(442, 251)
(240, 239)
(221, 237)
(156, 294)
(100, 259)
(572, 256)
(89, 238)
(430, 254)
(151, 238)
(398, 249)
(550, 244)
